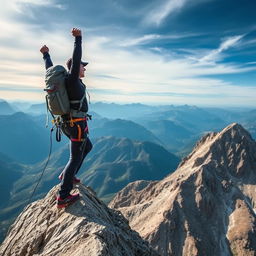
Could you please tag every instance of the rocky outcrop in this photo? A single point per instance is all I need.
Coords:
(206, 207)
(88, 227)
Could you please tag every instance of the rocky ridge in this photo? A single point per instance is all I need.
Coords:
(206, 207)
(88, 227)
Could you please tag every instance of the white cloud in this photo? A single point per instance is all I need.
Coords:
(20, 5)
(215, 55)
(9, 9)
(140, 40)
(140, 72)
(160, 12)
(153, 37)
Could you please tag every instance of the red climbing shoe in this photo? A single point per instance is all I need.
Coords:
(65, 202)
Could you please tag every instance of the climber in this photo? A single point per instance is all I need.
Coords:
(74, 124)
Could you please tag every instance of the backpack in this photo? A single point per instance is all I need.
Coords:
(57, 100)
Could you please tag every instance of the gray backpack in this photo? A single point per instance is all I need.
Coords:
(57, 100)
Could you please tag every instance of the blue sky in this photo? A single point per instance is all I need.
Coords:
(200, 52)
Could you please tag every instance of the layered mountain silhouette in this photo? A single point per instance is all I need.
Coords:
(28, 139)
(124, 129)
(88, 227)
(172, 135)
(23, 139)
(5, 108)
(37, 108)
(123, 111)
(193, 118)
(186, 123)
(206, 207)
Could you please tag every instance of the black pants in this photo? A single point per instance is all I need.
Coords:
(80, 146)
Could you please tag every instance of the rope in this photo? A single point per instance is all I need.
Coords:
(42, 173)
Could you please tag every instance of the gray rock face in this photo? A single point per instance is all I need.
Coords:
(206, 207)
(87, 227)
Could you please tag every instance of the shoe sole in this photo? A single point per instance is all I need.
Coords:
(60, 206)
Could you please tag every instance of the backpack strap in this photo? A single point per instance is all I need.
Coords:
(47, 111)
(78, 101)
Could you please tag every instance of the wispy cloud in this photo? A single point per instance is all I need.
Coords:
(153, 37)
(10, 9)
(19, 5)
(140, 40)
(215, 54)
(160, 12)
(146, 71)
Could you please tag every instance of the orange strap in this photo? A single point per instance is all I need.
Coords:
(72, 121)
(78, 119)
(79, 134)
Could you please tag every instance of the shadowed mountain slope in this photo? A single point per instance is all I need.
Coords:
(124, 129)
(115, 162)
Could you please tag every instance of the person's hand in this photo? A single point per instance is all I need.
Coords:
(44, 49)
(76, 32)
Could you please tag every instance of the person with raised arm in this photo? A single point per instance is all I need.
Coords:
(74, 124)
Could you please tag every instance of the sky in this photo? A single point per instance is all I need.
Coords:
(195, 52)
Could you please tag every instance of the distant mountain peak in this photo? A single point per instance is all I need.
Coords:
(230, 150)
(88, 227)
(5, 108)
(236, 129)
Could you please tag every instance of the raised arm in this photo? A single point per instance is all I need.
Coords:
(46, 56)
(77, 54)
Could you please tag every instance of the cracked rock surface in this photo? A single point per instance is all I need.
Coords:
(88, 227)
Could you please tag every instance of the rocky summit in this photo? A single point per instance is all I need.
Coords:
(206, 207)
(88, 227)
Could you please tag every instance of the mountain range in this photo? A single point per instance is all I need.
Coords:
(205, 207)
(177, 128)
(137, 149)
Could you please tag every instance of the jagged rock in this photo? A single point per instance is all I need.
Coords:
(88, 227)
(207, 206)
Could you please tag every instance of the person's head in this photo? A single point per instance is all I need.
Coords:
(82, 67)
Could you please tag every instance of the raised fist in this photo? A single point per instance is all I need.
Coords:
(76, 32)
(44, 49)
